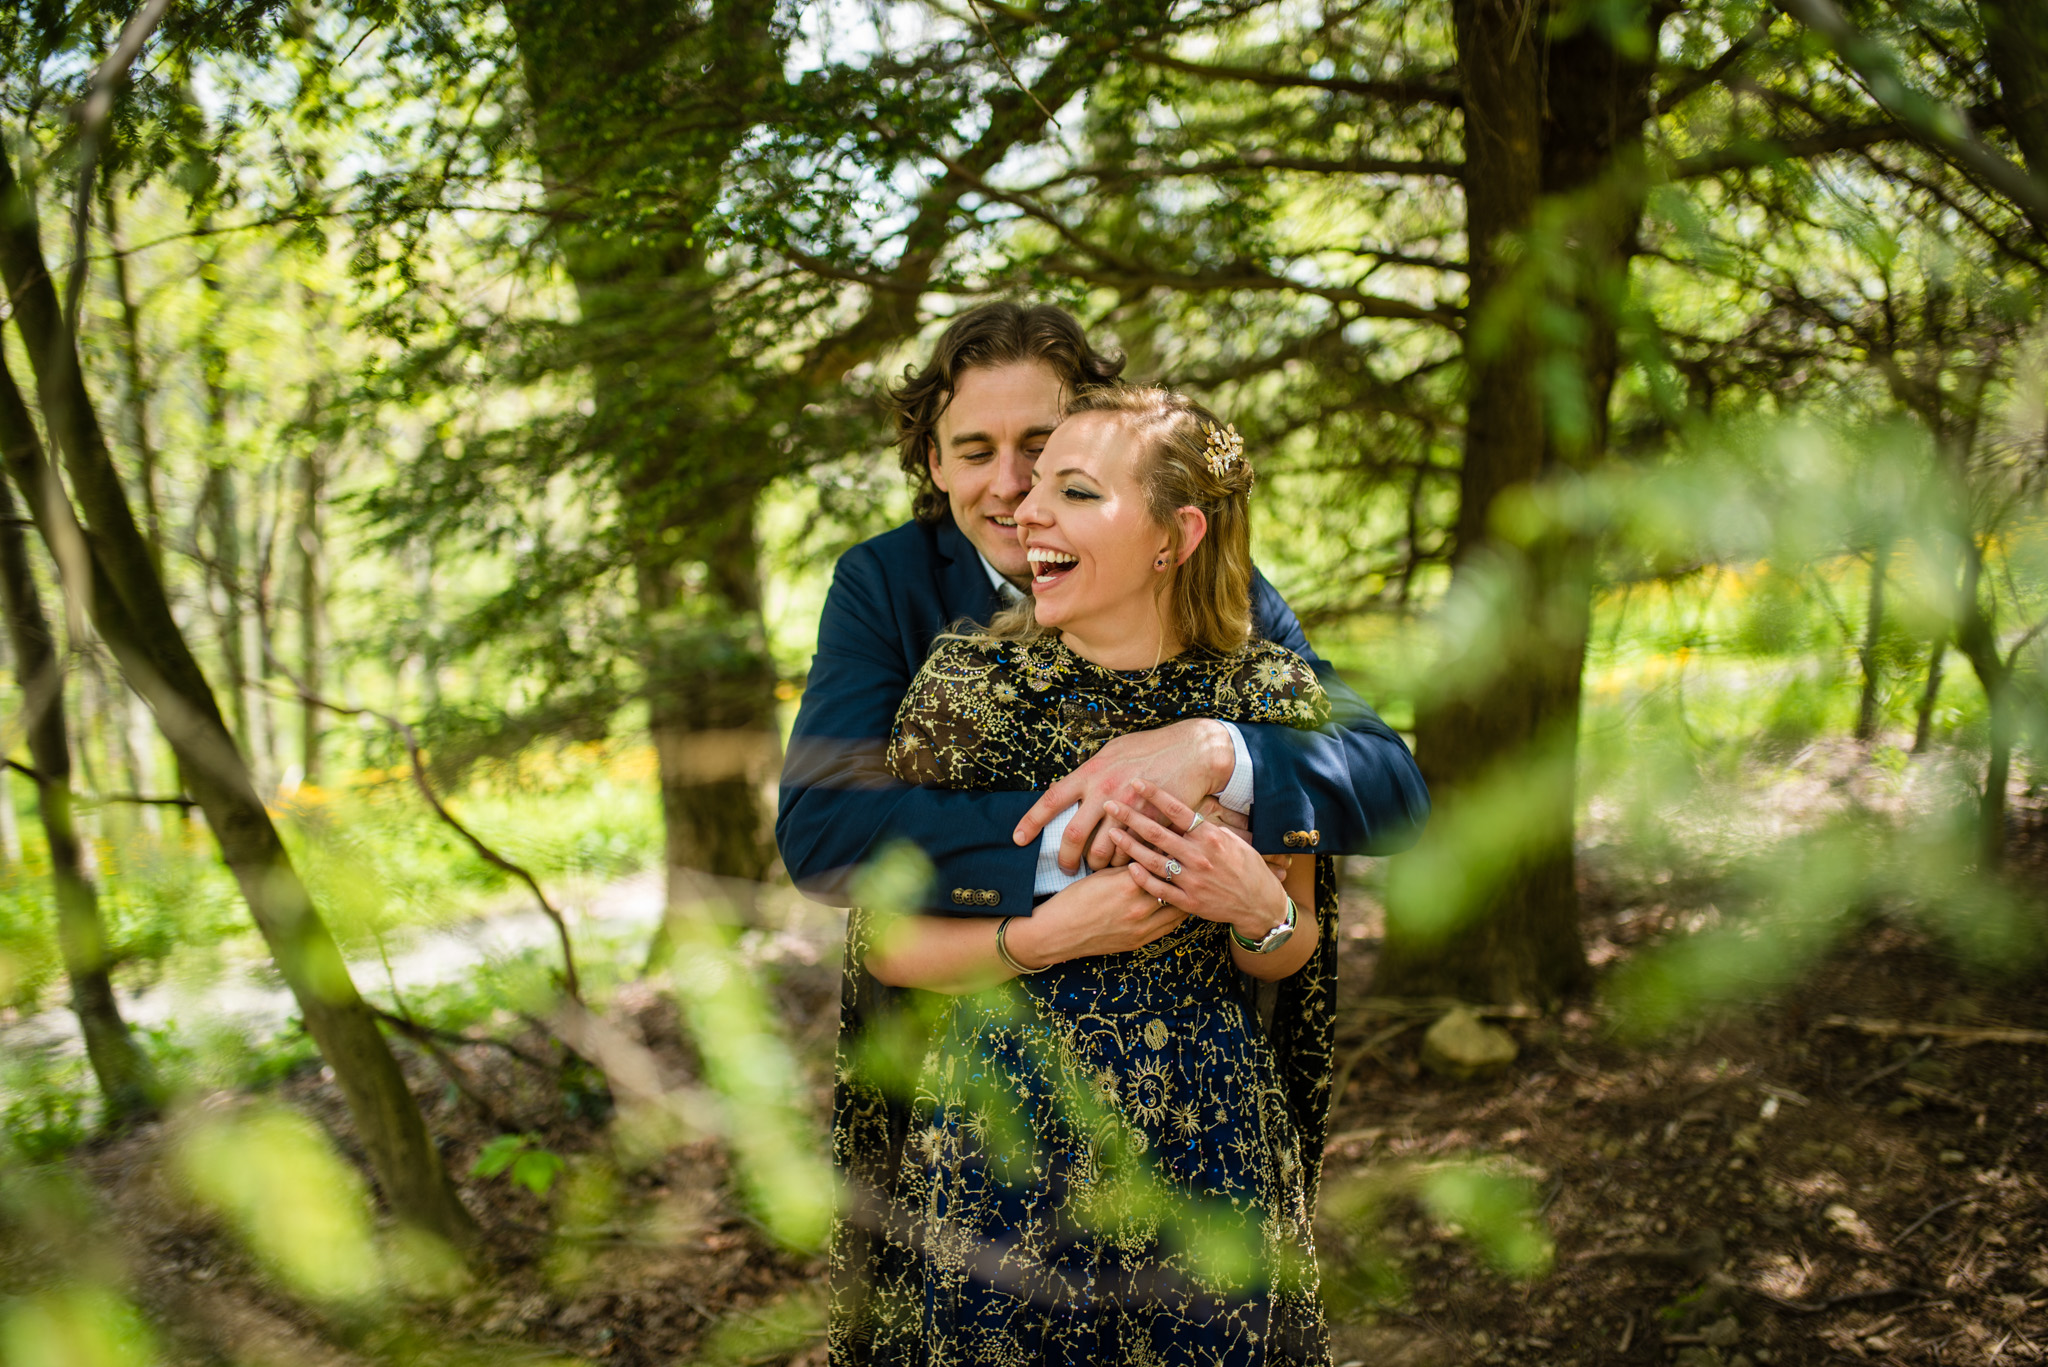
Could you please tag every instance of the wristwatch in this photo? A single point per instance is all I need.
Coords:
(1274, 938)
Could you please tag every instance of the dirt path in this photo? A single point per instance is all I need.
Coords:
(244, 992)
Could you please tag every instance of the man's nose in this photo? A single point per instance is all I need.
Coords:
(1013, 472)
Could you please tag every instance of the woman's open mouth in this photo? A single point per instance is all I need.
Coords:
(1048, 566)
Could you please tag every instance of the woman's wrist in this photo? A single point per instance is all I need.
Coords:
(1025, 941)
(1264, 912)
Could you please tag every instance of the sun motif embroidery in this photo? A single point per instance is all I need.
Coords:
(1271, 673)
(1187, 1121)
(1147, 1090)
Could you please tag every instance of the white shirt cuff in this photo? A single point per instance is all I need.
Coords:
(1237, 794)
(1051, 878)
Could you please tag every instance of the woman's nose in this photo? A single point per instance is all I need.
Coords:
(1032, 511)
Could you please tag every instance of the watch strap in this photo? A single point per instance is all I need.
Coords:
(1266, 945)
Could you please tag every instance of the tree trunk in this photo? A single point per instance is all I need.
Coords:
(1564, 123)
(1873, 630)
(107, 562)
(1977, 640)
(10, 822)
(259, 642)
(135, 386)
(311, 591)
(713, 727)
(2016, 47)
(126, 1081)
(687, 473)
(1923, 719)
(222, 513)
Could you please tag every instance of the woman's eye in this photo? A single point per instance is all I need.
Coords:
(1080, 495)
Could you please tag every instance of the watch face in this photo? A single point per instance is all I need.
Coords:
(1276, 937)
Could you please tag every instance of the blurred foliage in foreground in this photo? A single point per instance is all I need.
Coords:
(509, 369)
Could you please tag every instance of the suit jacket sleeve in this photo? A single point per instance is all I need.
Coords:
(1353, 780)
(839, 804)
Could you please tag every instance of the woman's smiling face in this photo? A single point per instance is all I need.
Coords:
(1094, 549)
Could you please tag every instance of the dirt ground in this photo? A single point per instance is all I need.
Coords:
(1765, 1188)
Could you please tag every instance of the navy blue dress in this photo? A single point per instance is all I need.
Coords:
(1112, 1161)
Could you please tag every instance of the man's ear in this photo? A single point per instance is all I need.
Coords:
(1194, 525)
(931, 459)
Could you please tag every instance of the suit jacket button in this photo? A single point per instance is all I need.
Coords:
(961, 897)
(990, 897)
(1315, 838)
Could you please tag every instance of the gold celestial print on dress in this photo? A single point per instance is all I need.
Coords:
(1111, 1161)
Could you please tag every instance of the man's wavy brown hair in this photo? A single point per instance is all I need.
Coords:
(998, 334)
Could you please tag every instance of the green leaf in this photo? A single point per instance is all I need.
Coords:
(537, 1169)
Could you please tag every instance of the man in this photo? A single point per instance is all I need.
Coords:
(970, 425)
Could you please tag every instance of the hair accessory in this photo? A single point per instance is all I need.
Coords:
(1226, 448)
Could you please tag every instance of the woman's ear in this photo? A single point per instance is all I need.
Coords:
(1194, 525)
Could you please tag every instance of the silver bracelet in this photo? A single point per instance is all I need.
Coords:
(1003, 950)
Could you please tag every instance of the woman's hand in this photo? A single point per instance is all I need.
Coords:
(1104, 913)
(1221, 877)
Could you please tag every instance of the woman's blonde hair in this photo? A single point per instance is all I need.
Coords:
(1181, 465)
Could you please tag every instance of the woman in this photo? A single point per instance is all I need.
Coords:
(1107, 1160)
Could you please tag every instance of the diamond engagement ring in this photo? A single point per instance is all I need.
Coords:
(1172, 869)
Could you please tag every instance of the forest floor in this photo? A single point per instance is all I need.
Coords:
(1767, 1187)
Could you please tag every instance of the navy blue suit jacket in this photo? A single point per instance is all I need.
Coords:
(891, 596)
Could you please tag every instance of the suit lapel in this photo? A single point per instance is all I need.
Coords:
(964, 588)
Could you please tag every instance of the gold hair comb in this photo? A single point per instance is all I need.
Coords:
(1225, 450)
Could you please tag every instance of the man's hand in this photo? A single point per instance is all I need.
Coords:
(1188, 760)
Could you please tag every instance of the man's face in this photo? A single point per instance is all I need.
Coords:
(986, 442)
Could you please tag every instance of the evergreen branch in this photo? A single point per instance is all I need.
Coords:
(1245, 276)
(1940, 126)
(891, 310)
(1261, 159)
(1132, 274)
(1004, 63)
(1690, 83)
(1820, 142)
(1769, 151)
(1412, 91)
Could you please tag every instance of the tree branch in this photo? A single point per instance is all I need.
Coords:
(570, 982)
(1411, 91)
(91, 116)
(1940, 126)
